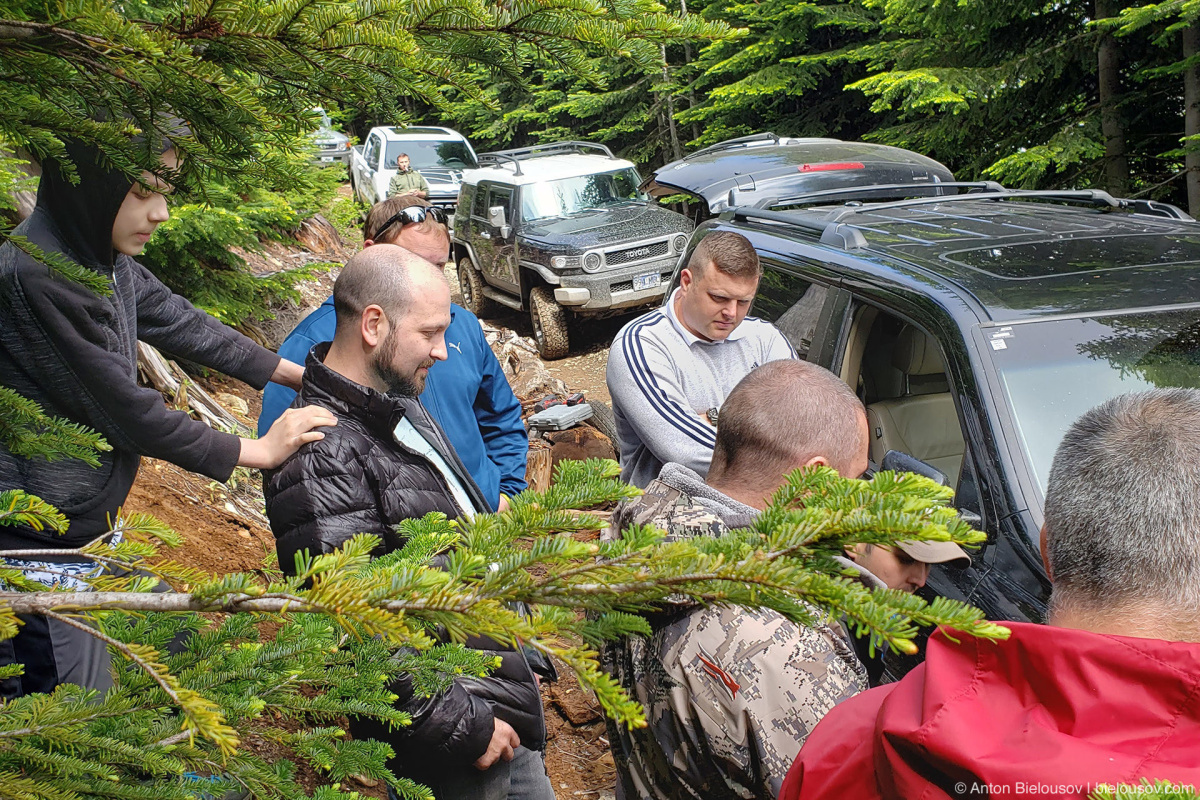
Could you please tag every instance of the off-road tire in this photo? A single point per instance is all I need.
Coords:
(602, 419)
(549, 324)
(470, 286)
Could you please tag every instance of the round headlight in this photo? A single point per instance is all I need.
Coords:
(680, 243)
(591, 262)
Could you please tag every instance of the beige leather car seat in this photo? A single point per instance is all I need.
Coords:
(922, 421)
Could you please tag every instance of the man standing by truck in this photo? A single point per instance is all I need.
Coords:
(670, 370)
(407, 180)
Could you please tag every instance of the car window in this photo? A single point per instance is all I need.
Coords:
(502, 198)
(581, 194)
(900, 374)
(432, 154)
(1053, 371)
(479, 209)
(372, 154)
(792, 304)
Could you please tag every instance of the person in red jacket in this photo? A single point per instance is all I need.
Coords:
(1108, 693)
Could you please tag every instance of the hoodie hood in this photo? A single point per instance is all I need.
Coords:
(83, 213)
(732, 512)
(1050, 712)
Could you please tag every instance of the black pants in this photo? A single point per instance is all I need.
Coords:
(53, 653)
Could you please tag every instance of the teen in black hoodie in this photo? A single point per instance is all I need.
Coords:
(74, 353)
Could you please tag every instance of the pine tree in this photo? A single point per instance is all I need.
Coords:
(342, 616)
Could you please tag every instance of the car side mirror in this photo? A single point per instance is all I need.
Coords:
(496, 217)
(895, 461)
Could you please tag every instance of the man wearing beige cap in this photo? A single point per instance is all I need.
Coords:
(907, 565)
(730, 695)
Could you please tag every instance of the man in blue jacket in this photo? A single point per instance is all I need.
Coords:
(467, 393)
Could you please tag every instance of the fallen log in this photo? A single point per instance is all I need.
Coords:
(184, 394)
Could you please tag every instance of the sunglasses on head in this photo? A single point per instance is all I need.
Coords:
(412, 215)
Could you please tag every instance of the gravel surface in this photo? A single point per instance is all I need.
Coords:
(583, 369)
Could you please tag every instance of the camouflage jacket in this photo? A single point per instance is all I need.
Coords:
(730, 695)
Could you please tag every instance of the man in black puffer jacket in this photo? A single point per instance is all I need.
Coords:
(387, 461)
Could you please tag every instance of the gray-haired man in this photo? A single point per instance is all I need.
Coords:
(1104, 694)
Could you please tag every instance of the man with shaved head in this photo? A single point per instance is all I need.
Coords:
(730, 695)
(467, 394)
(386, 462)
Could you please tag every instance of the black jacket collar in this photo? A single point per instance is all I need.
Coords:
(378, 413)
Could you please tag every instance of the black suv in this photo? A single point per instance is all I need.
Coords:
(751, 170)
(562, 227)
(976, 327)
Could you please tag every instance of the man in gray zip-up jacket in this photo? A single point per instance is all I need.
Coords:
(670, 370)
(386, 461)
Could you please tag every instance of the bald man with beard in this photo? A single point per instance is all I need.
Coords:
(388, 461)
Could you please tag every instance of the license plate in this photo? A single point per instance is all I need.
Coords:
(646, 281)
(327, 158)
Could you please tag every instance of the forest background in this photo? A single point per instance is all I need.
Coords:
(1075, 94)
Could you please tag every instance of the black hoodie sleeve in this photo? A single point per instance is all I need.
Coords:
(78, 328)
(170, 323)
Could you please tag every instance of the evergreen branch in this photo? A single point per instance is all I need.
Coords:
(202, 715)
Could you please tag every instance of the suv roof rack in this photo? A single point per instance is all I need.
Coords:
(862, 192)
(837, 233)
(498, 159)
(552, 149)
(1087, 197)
(742, 141)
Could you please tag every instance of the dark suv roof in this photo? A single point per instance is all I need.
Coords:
(1019, 258)
(768, 167)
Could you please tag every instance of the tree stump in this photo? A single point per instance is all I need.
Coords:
(579, 444)
(540, 467)
(181, 392)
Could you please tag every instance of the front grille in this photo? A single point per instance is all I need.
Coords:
(615, 258)
(625, 286)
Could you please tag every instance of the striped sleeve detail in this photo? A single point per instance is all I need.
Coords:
(643, 377)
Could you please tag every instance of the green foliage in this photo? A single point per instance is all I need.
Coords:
(245, 74)
(19, 508)
(13, 179)
(786, 75)
(191, 252)
(346, 215)
(352, 624)
(1158, 790)
(26, 430)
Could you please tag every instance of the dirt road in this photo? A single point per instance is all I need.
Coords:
(583, 369)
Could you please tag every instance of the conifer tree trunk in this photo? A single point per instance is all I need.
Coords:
(1116, 160)
(689, 58)
(1191, 115)
(669, 104)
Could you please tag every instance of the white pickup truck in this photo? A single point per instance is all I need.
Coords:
(439, 154)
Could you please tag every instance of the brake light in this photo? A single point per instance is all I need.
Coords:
(832, 165)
